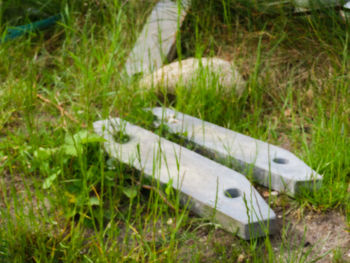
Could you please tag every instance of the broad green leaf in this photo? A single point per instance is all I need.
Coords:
(92, 138)
(130, 192)
(70, 149)
(93, 201)
(73, 144)
(44, 153)
(48, 181)
(83, 137)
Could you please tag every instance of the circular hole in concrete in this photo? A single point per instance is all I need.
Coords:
(121, 137)
(280, 160)
(232, 193)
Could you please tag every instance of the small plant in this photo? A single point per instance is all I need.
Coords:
(121, 137)
(63, 200)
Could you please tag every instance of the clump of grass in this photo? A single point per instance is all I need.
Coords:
(297, 96)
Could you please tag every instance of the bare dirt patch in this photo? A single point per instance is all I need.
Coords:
(316, 234)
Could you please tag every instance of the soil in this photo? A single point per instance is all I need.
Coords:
(316, 237)
(323, 235)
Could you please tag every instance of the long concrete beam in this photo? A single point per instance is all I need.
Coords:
(272, 166)
(157, 39)
(212, 190)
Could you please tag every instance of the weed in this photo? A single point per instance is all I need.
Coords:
(63, 200)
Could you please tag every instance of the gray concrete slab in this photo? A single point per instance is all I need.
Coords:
(157, 37)
(271, 165)
(213, 190)
(317, 3)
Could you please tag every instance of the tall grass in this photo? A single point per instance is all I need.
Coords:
(61, 205)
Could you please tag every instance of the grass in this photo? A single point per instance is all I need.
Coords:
(64, 200)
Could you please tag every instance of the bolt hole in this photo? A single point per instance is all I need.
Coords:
(232, 193)
(121, 137)
(280, 160)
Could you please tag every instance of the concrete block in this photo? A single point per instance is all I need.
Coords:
(212, 190)
(157, 37)
(316, 3)
(272, 165)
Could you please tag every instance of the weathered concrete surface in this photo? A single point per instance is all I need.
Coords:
(187, 71)
(157, 37)
(316, 3)
(203, 182)
(272, 166)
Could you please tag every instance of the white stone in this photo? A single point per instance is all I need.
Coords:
(202, 182)
(187, 71)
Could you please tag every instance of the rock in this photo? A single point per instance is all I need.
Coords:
(186, 71)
